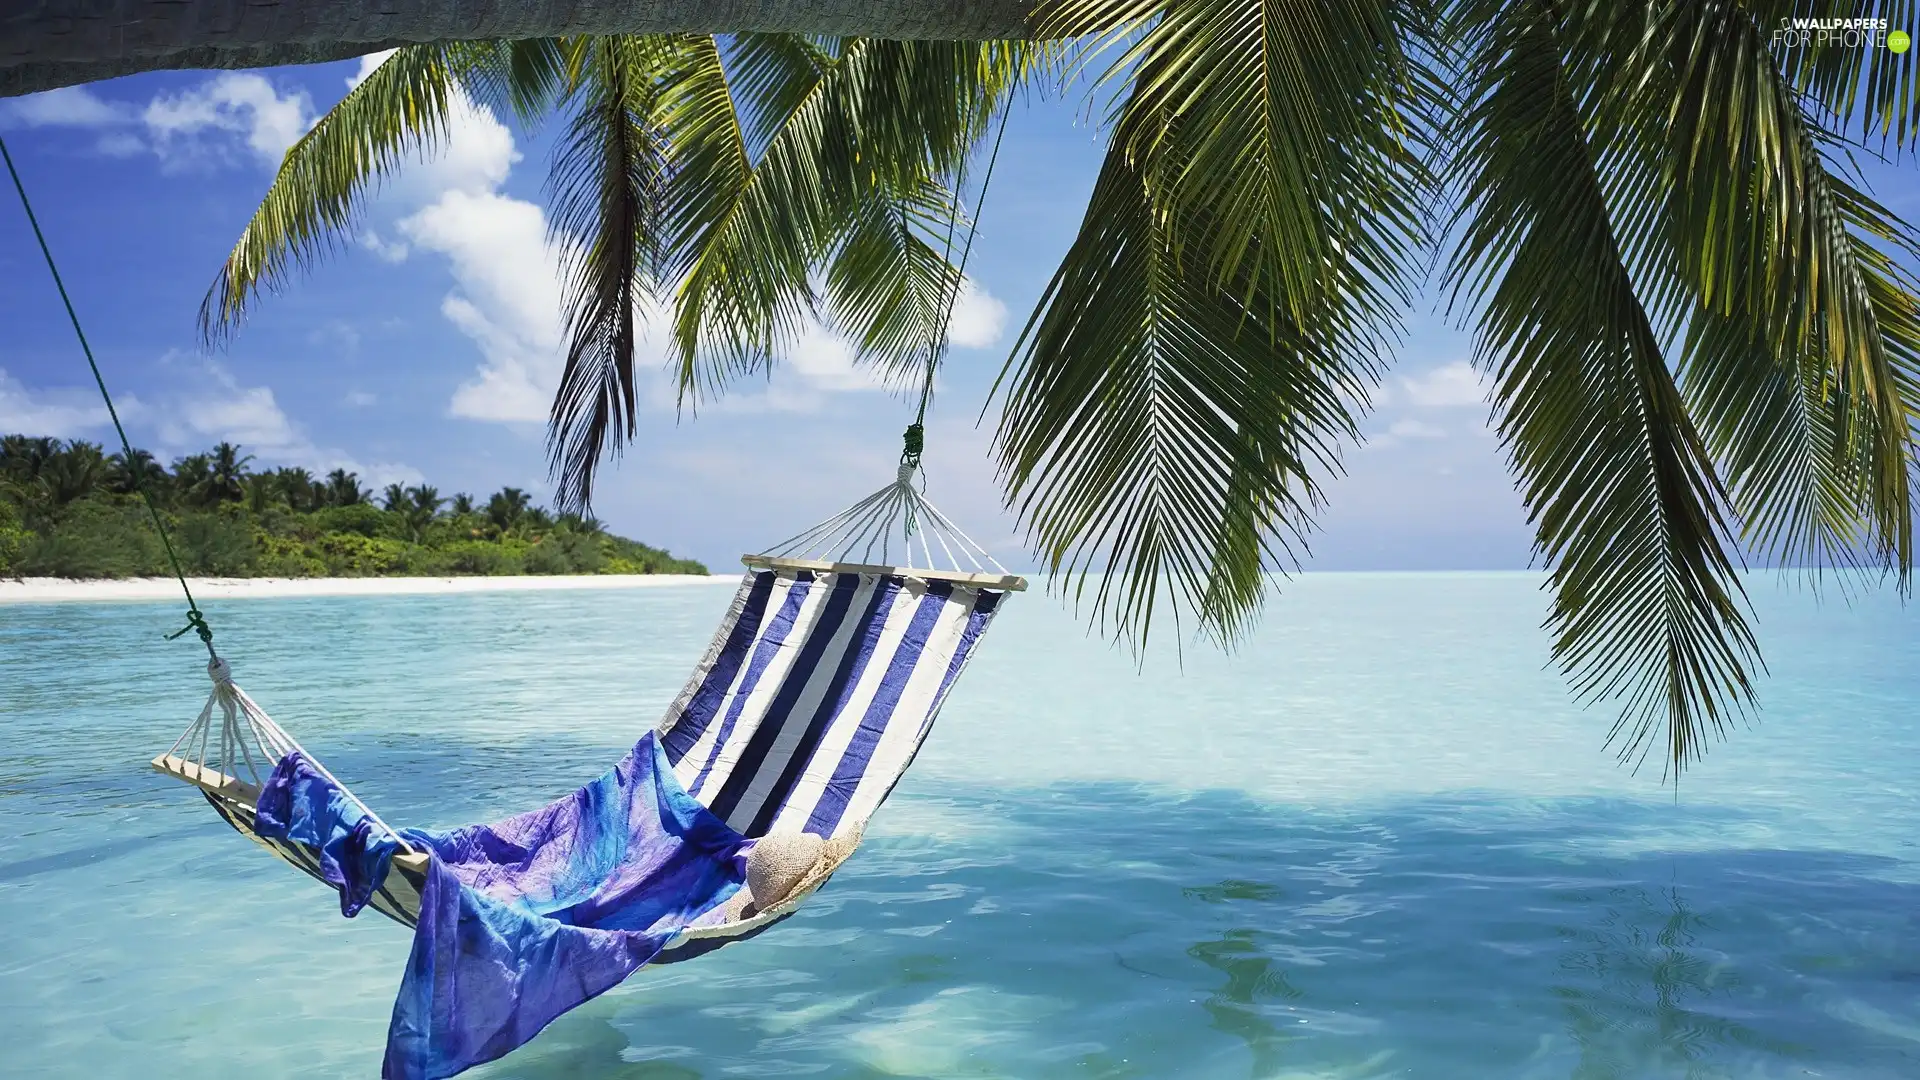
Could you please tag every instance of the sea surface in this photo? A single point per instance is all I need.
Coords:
(1375, 841)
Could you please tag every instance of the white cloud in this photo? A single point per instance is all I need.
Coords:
(389, 251)
(1414, 429)
(233, 104)
(1448, 386)
(825, 361)
(213, 407)
(61, 413)
(978, 317)
(218, 409)
(360, 399)
(337, 334)
(507, 299)
(208, 122)
(70, 106)
(120, 144)
(367, 64)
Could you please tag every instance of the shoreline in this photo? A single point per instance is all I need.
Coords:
(131, 590)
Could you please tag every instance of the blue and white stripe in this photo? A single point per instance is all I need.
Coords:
(816, 693)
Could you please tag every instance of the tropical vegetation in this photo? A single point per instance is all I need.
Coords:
(68, 509)
(1701, 328)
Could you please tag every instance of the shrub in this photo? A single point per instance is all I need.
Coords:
(13, 538)
(362, 519)
(216, 544)
(347, 554)
(480, 557)
(94, 539)
(284, 556)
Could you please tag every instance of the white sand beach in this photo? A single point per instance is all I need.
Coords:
(63, 590)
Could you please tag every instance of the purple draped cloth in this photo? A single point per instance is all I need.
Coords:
(528, 917)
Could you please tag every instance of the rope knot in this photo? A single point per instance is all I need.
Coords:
(220, 672)
(197, 623)
(914, 442)
(904, 477)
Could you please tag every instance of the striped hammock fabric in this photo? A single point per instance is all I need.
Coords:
(817, 690)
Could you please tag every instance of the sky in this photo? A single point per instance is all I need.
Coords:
(426, 347)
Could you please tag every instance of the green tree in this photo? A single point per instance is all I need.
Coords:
(507, 509)
(73, 472)
(64, 512)
(126, 475)
(580, 524)
(263, 493)
(426, 500)
(343, 489)
(193, 480)
(422, 508)
(227, 474)
(24, 458)
(462, 505)
(1697, 323)
(13, 536)
(394, 499)
(298, 488)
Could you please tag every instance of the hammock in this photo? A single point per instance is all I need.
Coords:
(819, 687)
(817, 691)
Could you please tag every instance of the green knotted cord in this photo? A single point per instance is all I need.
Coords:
(196, 621)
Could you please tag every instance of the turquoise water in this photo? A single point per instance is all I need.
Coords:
(1375, 842)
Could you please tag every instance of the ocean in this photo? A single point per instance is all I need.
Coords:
(1376, 840)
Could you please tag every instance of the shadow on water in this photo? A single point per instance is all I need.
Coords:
(1116, 932)
(1649, 990)
(1236, 1008)
(1424, 940)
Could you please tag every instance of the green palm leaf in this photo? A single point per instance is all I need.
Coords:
(1627, 505)
(889, 283)
(1159, 428)
(1201, 353)
(854, 141)
(1868, 87)
(1785, 362)
(398, 110)
(605, 189)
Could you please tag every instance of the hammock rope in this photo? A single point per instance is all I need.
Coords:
(816, 693)
(244, 727)
(914, 440)
(196, 620)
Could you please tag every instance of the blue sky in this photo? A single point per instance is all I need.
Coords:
(427, 346)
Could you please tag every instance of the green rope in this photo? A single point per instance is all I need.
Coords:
(914, 441)
(196, 621)
(915, 437)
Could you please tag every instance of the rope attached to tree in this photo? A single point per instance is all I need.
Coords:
(196, 621)
(914, 440)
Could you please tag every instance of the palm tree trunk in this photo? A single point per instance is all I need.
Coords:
(51, 43)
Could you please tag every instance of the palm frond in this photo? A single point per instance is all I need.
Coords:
(740, 250)
(1160, 433)
(400, 108)
(1784, 364)
(1253, 243)
(605, 189)
(1867, 88)
(867, 126)
(1299, 129)
(1627, 507)
(888, 282)
(526, 78)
